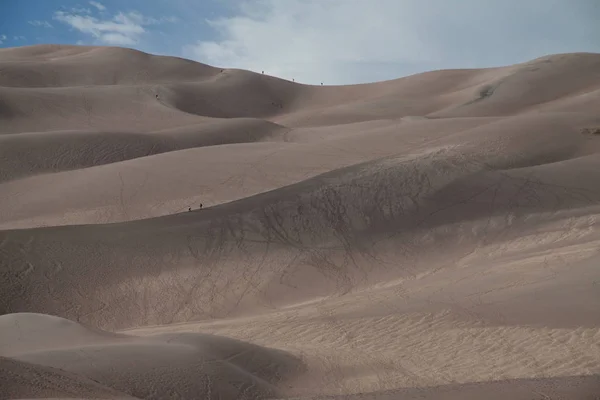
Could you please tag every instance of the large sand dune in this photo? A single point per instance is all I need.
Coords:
(434, 236)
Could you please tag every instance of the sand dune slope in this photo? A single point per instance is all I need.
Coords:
(576, 387)
(161, 185)
(325, 225)
(172, 182)
(532, 85)
(36, 153)
(22, 380)
(180, 365)
(58, 66)
(433, 236)
(185, 97)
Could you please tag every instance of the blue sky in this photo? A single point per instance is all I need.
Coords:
(331, 41)
(158, 26)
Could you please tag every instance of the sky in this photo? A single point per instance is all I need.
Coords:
(313, 41)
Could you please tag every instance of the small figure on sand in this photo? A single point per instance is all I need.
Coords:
(157, 96)
(190, 208)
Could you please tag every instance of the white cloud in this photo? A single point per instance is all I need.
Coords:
(99, 6)
(118, 39)
(145, 20)
(80, 10)
(351, 41)
(120, 30)
(43, 24)
(104, 31)
(19, 37)
(3, 38)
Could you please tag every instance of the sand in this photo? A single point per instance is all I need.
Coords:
(435, 236)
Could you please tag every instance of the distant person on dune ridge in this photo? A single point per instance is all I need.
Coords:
(190, 208)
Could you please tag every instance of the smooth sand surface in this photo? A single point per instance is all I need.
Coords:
(431, 237)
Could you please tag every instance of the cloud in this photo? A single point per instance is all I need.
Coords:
(80, 10)
(145, 20)
(98, 5)
(3, 38)
(352, 41)
(42, 24)
(120, 30)
(118, 39)
(105, 31)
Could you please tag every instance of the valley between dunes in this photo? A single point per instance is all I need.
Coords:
(436, 236)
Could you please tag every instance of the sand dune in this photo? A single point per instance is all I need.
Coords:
(195, 362)
(577, 387)
(433, 236)
(22, 380)
(36, 153)
(170, 182)
(532, 86)
(59, 66)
